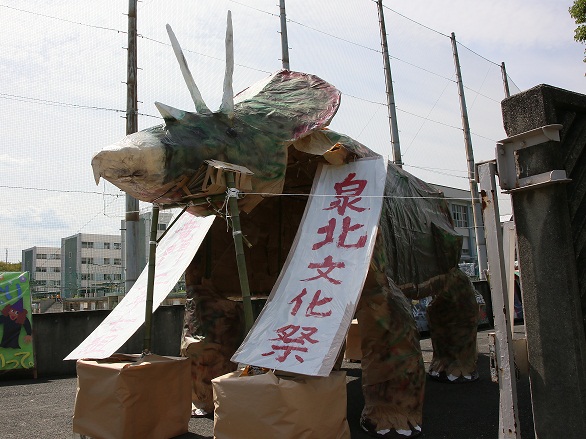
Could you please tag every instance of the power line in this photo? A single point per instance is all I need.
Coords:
(430, 120)
(334, 36)
(202, 54)
(416, 22)
(55, 103)
(421, 126)
(61, 191)
(477, 54)
(440, 169)
(29, 99)
(436, 171)
(64, 19)
(252, 7)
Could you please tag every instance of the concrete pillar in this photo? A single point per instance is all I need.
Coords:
(547, 209)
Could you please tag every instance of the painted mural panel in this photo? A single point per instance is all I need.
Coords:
(16, 341)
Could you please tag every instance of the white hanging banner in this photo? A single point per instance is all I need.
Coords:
(303, 325)
(174, 253)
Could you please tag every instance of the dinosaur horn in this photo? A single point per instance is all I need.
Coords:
(200, 105)
(227, 106)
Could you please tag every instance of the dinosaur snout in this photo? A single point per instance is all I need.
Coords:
(136, 164)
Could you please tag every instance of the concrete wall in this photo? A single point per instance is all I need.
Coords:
(55, 335)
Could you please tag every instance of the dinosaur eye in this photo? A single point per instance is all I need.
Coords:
(231, 132)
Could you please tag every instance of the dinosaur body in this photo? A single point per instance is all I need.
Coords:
(277, 130)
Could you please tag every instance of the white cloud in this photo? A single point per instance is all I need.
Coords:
(48, 144)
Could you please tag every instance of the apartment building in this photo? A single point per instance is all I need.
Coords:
(44, 266)
(91, 265)
(460, 205)
(144, 233)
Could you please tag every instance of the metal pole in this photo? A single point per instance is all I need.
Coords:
(509, 248)
(509, 427)
(510, 236)
(505, 80)
(284, 42)
(476, 207)
(132, 205)
(240, 260)
(148, 312)
(395, 145)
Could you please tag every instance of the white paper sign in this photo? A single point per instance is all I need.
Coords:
(306, 318)
(174, 253)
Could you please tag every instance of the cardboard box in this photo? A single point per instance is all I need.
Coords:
(353, 350)
(126, 396)
(271, 406)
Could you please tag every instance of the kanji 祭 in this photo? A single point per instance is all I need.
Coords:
(287, 334)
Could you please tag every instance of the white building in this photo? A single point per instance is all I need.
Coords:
(44, 266)
(91, 265)
(460, 205)
(144, 233)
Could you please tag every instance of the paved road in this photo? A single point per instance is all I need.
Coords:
(42, 409)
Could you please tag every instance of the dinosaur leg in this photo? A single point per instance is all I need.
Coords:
(213, 329)
(453, 321)
(393, 375)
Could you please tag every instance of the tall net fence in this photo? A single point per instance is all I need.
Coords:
(63, 93)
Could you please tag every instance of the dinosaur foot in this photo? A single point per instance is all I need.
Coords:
(444, 377)
(369, 427)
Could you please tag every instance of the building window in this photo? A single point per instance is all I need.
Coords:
(107, 245)
(41, 269)
(87, 276)
(87, 244)
(106, 261)
(117, 261)
(87, 260)
(161, 226)
(54, 256)
(117, 277)
(107, 277)
(117, 246)
(460, 215)
(55, 269)
(41, 256)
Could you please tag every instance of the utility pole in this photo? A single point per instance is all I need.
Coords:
(132, 205)
(148, 316)
(476, 207)
(505, 80)
(284, 41)
(396, 147)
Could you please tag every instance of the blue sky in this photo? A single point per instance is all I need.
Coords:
(62, 68)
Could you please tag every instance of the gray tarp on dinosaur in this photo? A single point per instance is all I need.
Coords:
(277, 130)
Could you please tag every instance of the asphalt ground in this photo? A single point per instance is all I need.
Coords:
(43, 408)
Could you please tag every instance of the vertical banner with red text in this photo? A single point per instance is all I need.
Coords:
(16, 333)
(174, 253)
(303, 325)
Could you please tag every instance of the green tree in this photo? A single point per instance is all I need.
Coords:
(10, 267)
(578, 13)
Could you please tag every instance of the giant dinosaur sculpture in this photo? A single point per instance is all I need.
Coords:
(277, 129)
